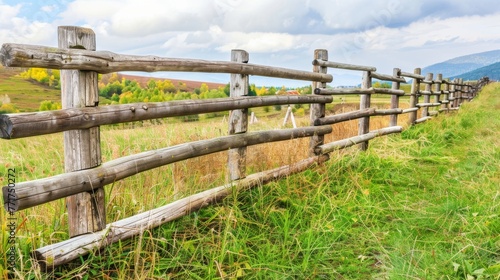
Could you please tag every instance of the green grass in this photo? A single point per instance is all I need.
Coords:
(424, 204)
(25, 95)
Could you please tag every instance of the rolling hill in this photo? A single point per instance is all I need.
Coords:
(492, 71)
(463, 64)
(25, 95)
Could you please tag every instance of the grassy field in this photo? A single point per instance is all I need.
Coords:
(421, 205)
(24, 94)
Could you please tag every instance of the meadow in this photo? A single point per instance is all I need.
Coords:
(423, 204)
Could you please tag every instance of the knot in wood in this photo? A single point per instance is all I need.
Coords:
(132, 109)
(86, 117)
(145, 107)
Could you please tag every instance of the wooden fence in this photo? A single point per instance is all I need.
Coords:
(80, 119)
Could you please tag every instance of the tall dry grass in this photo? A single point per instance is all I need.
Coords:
(39, 157)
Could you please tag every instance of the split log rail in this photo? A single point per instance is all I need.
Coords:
(80, 119)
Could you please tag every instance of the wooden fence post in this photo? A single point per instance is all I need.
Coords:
(458, 93)
(415, 88)
(466, 92)
(318, 110)
(393, 119)
(427, 95)
(453, 92)
(438, 82)
(238, 119)
(82, 147)
(365, 102)
(445, 106)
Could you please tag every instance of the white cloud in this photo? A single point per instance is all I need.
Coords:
(15, 29)
(7, 14)
(258, 42)
(383, 33)
(49, 8)
(264, 16)
(141, 18)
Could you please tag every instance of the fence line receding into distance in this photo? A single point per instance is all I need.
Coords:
(86, 176)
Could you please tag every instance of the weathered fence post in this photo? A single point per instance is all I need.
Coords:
(453, 92)
(459, 94)
(438, 82)
(466, 92)
(415, 88)
(238, 119)
(82, 147)
(318, 110)
(445, 106)
(365, 102)
(393, 119)
(427, 95)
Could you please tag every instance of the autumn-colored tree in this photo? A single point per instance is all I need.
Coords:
(47, 105)
(151, 84)
(204, 88)
(379, 84)
(262, 91)
(44, 76)
(7, 108)
(282, 91)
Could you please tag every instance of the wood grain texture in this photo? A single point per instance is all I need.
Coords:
(238, 119)
(318, 111)
(82, 147)
(364, 103)
(18, 55)
(39, 123)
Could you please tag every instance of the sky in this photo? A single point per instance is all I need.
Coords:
(283, 33)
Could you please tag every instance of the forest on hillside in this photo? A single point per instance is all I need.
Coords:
(115, 89)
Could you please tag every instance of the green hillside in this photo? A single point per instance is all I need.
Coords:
(492, 71)
(25, 95)
(463, 64)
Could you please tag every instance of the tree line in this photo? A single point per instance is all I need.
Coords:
(114, 89)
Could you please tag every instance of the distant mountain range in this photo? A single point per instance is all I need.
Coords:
(491, 71)
(468, 64)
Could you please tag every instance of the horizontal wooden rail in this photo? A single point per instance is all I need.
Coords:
(409, 110)
(342, 91)
(385, 77)
(427, 92)
(345, 66)
(40, 191)
(39, 123)
(399, 92)
(355, 91)
(60, 253)
(427, 104)
(423, 119)
(344, 143)
(18, 55)
(345, 116)
(380, 112)
(412, 75)
(356, 115)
